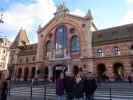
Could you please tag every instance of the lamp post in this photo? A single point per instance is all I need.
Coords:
(1, 18)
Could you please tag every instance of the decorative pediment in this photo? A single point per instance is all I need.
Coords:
(58, 20)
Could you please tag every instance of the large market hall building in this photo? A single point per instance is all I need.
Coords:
(73, 43)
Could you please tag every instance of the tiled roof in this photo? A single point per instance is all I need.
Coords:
(124, 32)
(28, 49)
(21, 39)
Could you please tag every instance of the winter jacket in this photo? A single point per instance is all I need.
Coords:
(69, 84)
(90, 86)
(4, 90)
(79, 89)
(60, 87)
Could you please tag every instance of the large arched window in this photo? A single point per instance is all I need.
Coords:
(61, 37)
(48, 46)
(75, 45)
(116, 51)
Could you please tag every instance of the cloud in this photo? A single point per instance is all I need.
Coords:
(6, 1)
(78, 12)
(128, 18)
(29, 17)
(130, 1)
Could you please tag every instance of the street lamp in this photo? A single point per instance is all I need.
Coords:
(1, 18)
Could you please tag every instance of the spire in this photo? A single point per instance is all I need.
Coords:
(21, 39)
(39, 28)
(61, 9)
(89, 15)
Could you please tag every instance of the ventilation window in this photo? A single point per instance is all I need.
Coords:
(83, 25)
(72, 30)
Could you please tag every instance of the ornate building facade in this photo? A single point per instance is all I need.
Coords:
(73, 43)
(4, 54)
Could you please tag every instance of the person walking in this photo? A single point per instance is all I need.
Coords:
(4, 89)
(89, 87)
(69, 86)
(60, 87)
(0, 87)
(78, 88)
(129, 78)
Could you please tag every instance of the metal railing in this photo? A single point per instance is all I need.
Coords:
(106, 91)
(31, 90)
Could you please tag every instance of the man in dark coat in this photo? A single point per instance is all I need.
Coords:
(69, 86)
(78, 88)
(89, 87)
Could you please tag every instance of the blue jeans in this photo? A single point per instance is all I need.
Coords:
(60, 97)
(89, 98)
(69, 96)
(78, 99)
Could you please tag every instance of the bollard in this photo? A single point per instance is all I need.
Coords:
(44, 92)
(31, 92)
(9, 88)
(110, 93)
(9, 91)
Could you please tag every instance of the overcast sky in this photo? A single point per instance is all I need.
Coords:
(29, 14)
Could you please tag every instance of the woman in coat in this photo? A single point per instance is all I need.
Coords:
(4, 90)
(60, 87)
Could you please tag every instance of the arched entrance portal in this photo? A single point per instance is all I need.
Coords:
(101, 72)
(33, 72)
(118, 71)
(19, 73)
(46, 72)
(26, 73)
(57, 70)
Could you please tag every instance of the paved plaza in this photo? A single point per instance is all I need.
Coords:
(119, 91)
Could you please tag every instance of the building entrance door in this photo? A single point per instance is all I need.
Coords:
(101, 72)
(57, 70)
(118, 71)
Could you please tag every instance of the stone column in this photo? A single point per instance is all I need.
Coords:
(110, 73)
(90, 66)
(127, 69)
(15, 70)
(50, 73)
(36, 73)
(69, 69)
